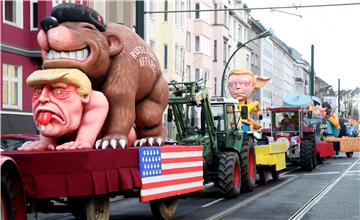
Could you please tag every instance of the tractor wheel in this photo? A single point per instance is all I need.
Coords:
(314, 154)
(248, 164)
(262, 174)
(229, 174)
(7, 197)
(274, 173)
(164, 209)
(94, 208)
(306, 155)
(349, 154)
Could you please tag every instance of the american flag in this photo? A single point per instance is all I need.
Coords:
(169, 171)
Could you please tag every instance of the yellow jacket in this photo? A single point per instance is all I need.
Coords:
(334, 120)
(251, 107)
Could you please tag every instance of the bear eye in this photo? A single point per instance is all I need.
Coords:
(88, 26)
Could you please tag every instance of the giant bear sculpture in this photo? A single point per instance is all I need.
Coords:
(118, 62)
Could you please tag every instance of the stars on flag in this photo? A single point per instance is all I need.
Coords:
(150, 161)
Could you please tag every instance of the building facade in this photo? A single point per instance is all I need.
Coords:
(191, 44)
(20, 56)
(301, 72)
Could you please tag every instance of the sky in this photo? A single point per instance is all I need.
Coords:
(334, 32)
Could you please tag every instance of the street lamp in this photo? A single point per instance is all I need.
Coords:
(240, 45)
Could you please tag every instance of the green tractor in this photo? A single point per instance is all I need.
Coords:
(214, 123)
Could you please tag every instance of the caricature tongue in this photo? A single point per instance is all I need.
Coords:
(44, 118)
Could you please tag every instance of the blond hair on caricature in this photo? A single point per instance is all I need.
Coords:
(74, 77)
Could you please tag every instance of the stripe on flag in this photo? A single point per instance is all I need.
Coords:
(169, 171)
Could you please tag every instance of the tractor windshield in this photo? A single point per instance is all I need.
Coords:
(219, 117)
(224, 120)
(285, 121)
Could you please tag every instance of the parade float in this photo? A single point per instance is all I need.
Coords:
(270, 155)
(295, 125)
(98, 106)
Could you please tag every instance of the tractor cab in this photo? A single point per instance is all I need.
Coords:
(227, 120)
(288, 125)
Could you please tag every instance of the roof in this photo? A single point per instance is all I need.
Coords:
(220, 99)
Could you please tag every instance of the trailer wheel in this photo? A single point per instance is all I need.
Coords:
(93, 208)
(7, 197)
(319, 159)
(229, 175)
(77, 207)
(164, 209)
(274, 173)
(248, 164)
(98, 208)
(306, 155)
(262, 174)
(349, 154)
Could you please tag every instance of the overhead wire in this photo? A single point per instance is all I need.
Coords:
(256, 8)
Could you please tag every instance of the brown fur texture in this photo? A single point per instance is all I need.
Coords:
(122, 66)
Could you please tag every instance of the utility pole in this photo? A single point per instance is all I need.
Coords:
(140, 18)
(312, 73)
(339, 97)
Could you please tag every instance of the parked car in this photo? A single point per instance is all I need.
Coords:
(13, 141)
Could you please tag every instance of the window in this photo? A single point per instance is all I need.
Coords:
(197, 43)
(189, 8)
(188, 41)
(166, 9)
(12, 87)
(197, 74)
(152, 45)
(202, 73)
(152, 8)
(215, 85)
(33, 15)
(245, 35)
(206, 74)
(13, 11)
(182, 59)
(179, 17)
(247, 61)
(165, 56)
(182, 21)
(239, 37)
(197, 13)
(203, 45)
(226, 14)
(225, 51)
(234, 30)
(205, 16)
(177, 58)
(215, 14)
(188, 71)
(215, 50)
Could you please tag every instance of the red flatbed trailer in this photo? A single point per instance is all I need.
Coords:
(323, 150)
(87, 178)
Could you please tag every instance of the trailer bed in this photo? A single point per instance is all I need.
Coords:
(347, 144)
(69, 173)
